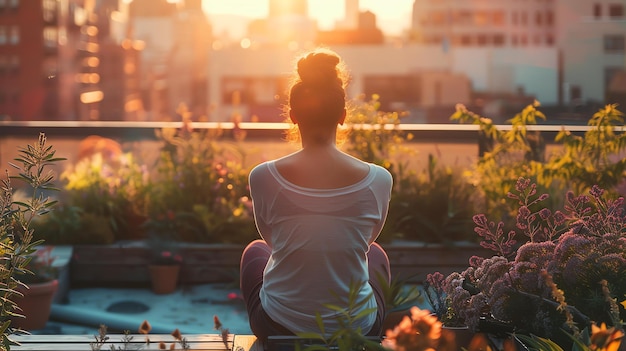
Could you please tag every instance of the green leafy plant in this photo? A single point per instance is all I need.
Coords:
(199, 188)
(40, 267)
(111, 188)
(16, 236)
(601, 339)
(71, 225)
(434, 205)
(594, 158)
(346, 336)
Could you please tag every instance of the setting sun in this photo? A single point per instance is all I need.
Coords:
(393, 15)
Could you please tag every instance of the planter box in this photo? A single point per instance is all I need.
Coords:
(126, 263)
(413, 261)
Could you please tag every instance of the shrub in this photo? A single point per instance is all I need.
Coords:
(16, 216)
(199, 187)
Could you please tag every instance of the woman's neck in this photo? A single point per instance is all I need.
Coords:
(319, 139)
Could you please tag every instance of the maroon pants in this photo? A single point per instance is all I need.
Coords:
(253, 261)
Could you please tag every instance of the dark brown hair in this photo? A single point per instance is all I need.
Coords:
(317, 93)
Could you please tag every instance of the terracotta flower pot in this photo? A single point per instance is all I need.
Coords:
(164, 278)
(463, 336)
(35, 305)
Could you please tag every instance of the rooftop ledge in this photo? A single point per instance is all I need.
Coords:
(253, 130)
(266, 125)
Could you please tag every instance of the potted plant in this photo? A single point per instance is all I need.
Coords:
(16, 235)
(164, 267)
(569, 272)
(38, 284)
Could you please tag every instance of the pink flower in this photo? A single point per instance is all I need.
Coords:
(232, 296)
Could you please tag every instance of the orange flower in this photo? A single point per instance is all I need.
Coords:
(420, 332)
(607, 339)
(176, 334)
(145, 327)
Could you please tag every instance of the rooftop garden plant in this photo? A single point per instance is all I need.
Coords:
(437, 199)
(39, 268)
(103, 194)
(199, 188)
(16, 235)
(106, 187)
(593, 158)
(568, 274)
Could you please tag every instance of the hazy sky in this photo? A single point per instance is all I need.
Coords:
(393, 16)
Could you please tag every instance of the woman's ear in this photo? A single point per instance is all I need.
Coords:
(342, 120)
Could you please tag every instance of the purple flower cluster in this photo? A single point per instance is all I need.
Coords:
(553, 279)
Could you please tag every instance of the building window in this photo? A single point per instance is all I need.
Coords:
(514, 18)
(523, 40)
(14, 63)
(538, 18)
(616, 10)
(49, 10)
(614, 43)
(498, 18)
(14, 35)
(549, 18)
(524, 19)
(498, 40)
(611, 73)
(481, 40)
(4, 64)
(575, 93)
(481, 18)
(50, 37)
(549, 40)
(597, 11)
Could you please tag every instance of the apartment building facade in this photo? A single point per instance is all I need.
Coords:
(588, 38)
(40, 42)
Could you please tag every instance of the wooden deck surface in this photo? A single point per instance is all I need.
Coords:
(199, 342)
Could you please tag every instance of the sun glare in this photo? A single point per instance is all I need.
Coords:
(246, 8)
(326, 12)
(392, 15)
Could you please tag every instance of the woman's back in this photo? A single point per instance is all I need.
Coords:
(319, 239)
(323, 169)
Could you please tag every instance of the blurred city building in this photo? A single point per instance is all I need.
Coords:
(143, 59)
(177, 37)
(48, 60)
(587, 38)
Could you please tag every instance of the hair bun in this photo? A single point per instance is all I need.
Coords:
(319, 69)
